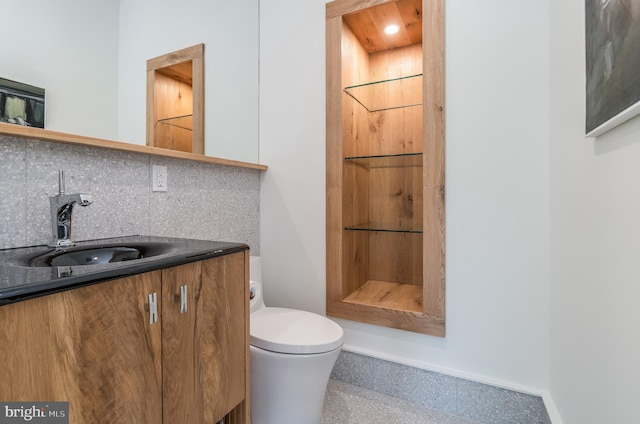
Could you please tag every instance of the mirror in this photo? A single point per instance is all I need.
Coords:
(91, 59)
(175, 100)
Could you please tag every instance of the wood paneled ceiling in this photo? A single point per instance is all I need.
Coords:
(368, 25)
(182, 71)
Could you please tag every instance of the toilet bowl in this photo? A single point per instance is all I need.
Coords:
(292, 355)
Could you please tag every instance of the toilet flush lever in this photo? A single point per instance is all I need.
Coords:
(183, 299)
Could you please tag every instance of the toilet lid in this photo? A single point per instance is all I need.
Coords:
(293, 331)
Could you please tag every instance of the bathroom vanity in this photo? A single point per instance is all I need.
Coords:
(160, 339)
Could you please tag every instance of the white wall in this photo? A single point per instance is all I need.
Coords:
(91, 58)
(595, 253)
(497, 186)
(65, 47)
(229, 30)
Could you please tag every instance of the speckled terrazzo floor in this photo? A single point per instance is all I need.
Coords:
(348, 404)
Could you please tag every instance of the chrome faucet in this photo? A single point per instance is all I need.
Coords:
(61, 207)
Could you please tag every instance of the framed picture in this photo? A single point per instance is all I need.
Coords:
(21, 104)
(612, 63)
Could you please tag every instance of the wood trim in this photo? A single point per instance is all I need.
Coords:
(434, 159)
(39, 134)
(392, 318)
(176, 57)
(338, 8)
(151, 101)
(334, 154)
(198, 104)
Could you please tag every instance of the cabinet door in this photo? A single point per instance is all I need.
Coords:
(222, 329)
(91, 346)
(181, 379)
(204, 347)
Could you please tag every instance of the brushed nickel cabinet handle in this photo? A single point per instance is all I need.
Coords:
(153, 308)
(183, 299)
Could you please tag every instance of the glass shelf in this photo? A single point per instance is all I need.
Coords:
(373, 226)
(388, 94)
(402, 160)
(185, 122)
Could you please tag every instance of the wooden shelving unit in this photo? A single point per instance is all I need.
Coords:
(175, 100)
(385, 165)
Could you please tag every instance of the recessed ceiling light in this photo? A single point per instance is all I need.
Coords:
(391, 29)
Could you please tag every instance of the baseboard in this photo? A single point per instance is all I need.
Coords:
(554, 415)
(451, 391)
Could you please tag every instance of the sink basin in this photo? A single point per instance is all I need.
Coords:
(98, 254)
(103, 255)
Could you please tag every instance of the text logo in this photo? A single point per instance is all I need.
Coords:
(34, 412)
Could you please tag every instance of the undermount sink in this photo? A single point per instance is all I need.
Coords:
(97, 254)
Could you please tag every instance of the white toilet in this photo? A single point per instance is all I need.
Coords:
(292, 355)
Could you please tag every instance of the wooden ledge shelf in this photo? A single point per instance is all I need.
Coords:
(401, 297)
(387, 317)
(60, 137)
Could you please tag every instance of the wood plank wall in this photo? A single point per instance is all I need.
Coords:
(172, 98)
(355, 141)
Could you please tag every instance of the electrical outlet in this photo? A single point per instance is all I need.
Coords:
(159, 178)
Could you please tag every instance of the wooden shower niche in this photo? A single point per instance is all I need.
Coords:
(385, 164)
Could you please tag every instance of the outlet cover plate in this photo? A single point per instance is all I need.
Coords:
(159, 178)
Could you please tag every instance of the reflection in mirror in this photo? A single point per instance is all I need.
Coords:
(175, 100)
(90, 57)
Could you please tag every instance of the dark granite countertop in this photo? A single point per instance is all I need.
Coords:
(19, 280)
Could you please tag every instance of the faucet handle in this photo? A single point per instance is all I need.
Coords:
(60, 182)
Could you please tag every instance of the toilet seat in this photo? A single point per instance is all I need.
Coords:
(293, 331)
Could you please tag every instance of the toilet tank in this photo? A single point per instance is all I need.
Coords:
(255, 269)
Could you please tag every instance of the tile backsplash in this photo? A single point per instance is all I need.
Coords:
(203, 201)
